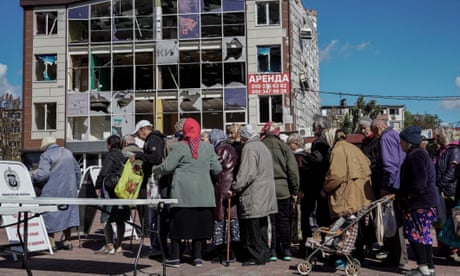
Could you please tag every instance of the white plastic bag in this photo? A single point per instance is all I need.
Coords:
(389, 220)
(152, 187)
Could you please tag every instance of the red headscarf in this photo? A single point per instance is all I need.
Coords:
(270, 128)
(192, 135)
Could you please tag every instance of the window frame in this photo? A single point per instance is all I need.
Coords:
(47, 125)
(268, 4)
(270, 58)
(49, 30)
(270, 108)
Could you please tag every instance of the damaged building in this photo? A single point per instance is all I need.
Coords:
(95, 68)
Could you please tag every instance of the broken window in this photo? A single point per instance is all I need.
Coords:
(100, 102)
(234, 24)
(211, 25)
(212, 6)
(45, 67)
(169, 7)
(101, 29)
(78, 24)
(233, 5)
(145, 72)
(270, 108)
(268, 59)
(123, 28)
(101, 9)
(235, 98)
(169, 28)
(268, 12)
(100, 75)
(209, 55)
(189, 75)
(212, 74)
(123, 7)
(77, 128)
(168, 77)
(100, 128)
(79, 73)
(45, 116)
(234, 74)
(144, 20)
(123, 71)
(46, 23)
(235, 117)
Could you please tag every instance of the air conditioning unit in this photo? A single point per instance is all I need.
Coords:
(305, 33)
(305, 132)
(427, 133)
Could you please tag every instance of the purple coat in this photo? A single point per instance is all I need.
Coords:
(228, 158)
(389, 160)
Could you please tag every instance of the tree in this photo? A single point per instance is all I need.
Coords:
(347, 126)
(10, 127)
(364, 109)
(425, 121)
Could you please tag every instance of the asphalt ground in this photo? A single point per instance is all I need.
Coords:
(82, 260)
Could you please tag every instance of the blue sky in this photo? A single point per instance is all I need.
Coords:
(391, 48)
(367, 47)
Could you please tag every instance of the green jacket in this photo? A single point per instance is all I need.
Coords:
(191, 185)
(285, 167)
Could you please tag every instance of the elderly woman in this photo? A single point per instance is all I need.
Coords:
(255, 188)
(228, 158)
(445, 162)
(192, 163)
(60, 172)
(348, 181)
(418, 199)
(306, 196)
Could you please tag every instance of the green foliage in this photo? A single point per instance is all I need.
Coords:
(10, 127)
(364, 109)
(425, 121)
(347, 126)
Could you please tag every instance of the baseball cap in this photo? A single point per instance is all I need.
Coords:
(141, 124)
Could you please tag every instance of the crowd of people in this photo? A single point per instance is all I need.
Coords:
(239, 191)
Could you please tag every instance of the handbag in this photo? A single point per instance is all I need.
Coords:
(389, 220)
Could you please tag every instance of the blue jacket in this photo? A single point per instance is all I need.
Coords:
(389, 161)
(62, 180)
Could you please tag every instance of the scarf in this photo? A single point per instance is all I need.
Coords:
(192, 135)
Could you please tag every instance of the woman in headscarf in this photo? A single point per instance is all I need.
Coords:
(418, 199)
(192, 163)
(228, 158)
(347, 185)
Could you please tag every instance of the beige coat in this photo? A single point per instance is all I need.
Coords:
(348, 182)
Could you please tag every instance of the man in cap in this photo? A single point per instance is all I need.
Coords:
(152, 155)
(255, 186)
(388, 165)
(286, 175)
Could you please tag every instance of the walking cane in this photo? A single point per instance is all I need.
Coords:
(229, 201)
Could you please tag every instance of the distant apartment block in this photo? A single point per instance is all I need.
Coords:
(337, 113)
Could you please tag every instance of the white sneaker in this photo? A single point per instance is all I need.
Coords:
(381, 255)
(106, 250)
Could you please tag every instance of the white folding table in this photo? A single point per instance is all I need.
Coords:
(39, 205)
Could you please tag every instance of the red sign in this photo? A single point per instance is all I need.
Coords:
(269, 84)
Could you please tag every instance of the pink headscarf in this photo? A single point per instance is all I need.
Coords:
(192, 135)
